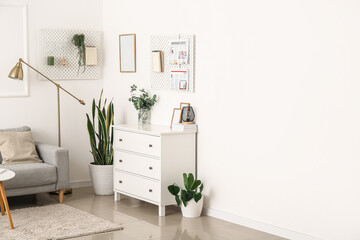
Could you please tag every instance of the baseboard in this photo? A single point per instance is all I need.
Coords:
(80, 184)
(278, 231)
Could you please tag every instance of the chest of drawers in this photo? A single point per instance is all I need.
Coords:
(149, 158)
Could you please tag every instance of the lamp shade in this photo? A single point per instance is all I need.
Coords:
(17, 72)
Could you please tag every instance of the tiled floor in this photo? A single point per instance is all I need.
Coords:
(140, 220)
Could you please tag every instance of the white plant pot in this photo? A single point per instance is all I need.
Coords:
(102, 178)
(193, 209)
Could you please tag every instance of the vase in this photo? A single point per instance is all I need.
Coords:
(102, 178)
(143, 116)
(193, 209)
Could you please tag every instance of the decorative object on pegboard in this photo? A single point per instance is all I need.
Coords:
(79, 41)
(59, 43)
(178, 63)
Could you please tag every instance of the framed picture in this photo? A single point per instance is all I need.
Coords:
(176, 116)
(127, 53)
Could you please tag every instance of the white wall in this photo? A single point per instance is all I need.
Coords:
(39, 110)
(277, 100)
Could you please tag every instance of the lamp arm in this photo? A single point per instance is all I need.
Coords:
(56, 84)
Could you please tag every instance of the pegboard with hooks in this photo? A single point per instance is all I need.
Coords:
(162, 80)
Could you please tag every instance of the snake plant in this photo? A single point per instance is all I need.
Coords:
(101, 142)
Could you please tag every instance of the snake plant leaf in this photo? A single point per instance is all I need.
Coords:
(93, 111)
(173, 189)
(197, 197)
(195, 185)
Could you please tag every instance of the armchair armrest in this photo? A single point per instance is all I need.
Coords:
(60, 158)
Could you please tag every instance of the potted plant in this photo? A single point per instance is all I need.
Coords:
(79, 41)
(101, 142)
(190, 198)
(142, 103)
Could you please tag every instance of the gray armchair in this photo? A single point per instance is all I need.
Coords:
(31, 178)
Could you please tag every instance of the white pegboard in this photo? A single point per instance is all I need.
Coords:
(162, 80)
(58, 43)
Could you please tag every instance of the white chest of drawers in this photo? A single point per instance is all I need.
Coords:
(149, 158)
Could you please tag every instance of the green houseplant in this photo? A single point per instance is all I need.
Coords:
(142, 102)
(79, 41)
(190, 197)
(101, 142)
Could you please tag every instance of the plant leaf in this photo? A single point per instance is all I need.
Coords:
(201, 187)
(177, 198)
(195, 185)
(197, 196)
(190, 181)
(173, 189)
(185, 180)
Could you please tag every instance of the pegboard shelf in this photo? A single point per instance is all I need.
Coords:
(58, 43)
(162, 80)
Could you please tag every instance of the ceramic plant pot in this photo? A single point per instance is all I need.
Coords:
(102, 178)
(193, 209)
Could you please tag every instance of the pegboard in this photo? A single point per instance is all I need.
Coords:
(162, 80)
(58, 43)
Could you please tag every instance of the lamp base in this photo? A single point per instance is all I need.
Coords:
(67, 191)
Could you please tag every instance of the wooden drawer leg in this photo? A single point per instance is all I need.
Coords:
(3, 195)
(161, 211)
(116, 196)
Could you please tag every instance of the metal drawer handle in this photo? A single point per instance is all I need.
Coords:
(120, 139)
(150, 190)
(120, 160)
(120, 181)
(150, 168)
(150, 145)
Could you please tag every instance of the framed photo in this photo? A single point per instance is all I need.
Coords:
(127, 53)
(176, 116)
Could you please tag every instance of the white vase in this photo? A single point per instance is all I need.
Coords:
(102, 179)
(193, 209)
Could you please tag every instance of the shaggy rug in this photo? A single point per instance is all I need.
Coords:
(52, 222)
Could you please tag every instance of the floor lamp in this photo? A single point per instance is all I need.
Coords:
(17, 73)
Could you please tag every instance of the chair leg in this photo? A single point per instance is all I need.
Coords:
(2, 206)
(61, 196)
(2, 190)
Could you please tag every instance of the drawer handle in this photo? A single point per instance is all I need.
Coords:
(120, 181)
(120, 139)
(150, 145)
(150, 190)
(120, 160)
(150, 168)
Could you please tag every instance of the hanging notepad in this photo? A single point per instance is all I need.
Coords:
(157, 65)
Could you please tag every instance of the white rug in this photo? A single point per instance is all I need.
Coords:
(52, 222)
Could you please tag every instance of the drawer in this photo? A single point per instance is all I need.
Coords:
(137, 142)
(133, 163)
(141, 187)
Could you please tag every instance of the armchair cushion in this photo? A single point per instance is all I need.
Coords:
(19, 129)
(18, 147)
(30, 175)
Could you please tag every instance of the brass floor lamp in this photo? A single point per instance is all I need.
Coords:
(17, 73)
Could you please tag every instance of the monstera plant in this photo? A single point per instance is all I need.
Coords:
(101, 142)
